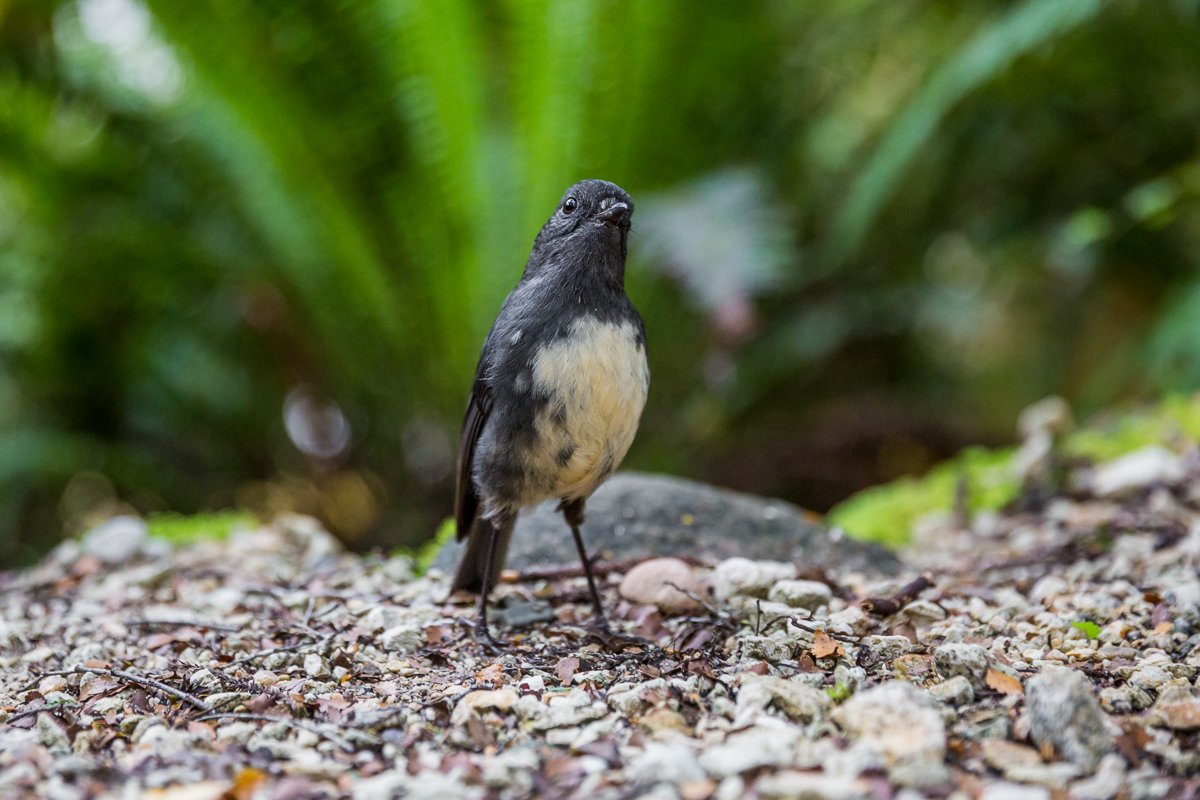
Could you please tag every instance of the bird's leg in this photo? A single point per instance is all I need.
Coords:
(573, 514)
(482, 635)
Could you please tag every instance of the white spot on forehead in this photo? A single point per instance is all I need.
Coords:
(516, 336)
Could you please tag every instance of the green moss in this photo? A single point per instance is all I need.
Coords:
(181, 529)
(1109, 436)
(424, 555)
(887, 513)
(1090, 629)
(839, 692)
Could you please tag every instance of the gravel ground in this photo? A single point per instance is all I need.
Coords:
(1040, 653)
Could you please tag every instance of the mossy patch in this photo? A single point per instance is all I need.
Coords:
(423, 556)
(186, 529)
(887, 513)
(1109, 436)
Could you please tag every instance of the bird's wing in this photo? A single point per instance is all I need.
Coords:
(466, 499)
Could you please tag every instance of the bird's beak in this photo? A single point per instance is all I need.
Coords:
(617, 214)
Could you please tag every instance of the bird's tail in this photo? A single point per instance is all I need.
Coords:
(474, 558)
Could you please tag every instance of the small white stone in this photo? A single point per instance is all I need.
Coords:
(315, 666)
(741, 576)
(770, 743)
(801, 594)
(654, 583)
(116, 540)
(1014, 791)
(1150, 465)
(901, 722)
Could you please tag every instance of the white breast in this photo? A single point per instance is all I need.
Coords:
(597, 377)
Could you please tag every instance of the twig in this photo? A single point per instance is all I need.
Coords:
(182, 623)
(316, 640)
(46, 709)
(314, 727)
(810, 628)
(886, 606)
(140, 680)
(714, 612)
(308, 611)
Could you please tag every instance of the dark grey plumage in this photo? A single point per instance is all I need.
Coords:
(560, 384)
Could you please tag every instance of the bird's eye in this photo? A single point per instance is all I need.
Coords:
(569, 205)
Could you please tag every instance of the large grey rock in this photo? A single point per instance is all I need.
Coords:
(899, 721)
(1064, 713)
(638, 515)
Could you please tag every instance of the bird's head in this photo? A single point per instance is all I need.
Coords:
(592, 215)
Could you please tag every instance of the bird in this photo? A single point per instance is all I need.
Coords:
(558, 392)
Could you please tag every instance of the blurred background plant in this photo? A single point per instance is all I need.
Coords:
(249, 250)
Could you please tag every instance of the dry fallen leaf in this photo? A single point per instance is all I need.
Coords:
(566, 669)
(1003, 683)
(246, 783)
(491, 675)
(437, 634)
(824, 645)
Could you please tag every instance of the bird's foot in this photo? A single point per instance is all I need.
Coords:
(481, 637)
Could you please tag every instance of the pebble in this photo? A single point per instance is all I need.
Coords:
(316, 666)
(116, 540)
(1064, 714)
(52, 683)
(634, 701)
(795, 700)
(968, 660)
(801, 594)
(1013, 791)
(956, 692)
(480, 700)
(664, 720)
(653, 583)
(670, 762)
(52, 734)
(888, 648)
(403, 639)
(790, 784)
(1180, 716)
(765, 648)
(382, 618)
(1149, 677)
(575, 708)
(1003, 755)
(770, 743)
(1139, 469)
(741, 576)
(924, 611)
(900, 721)
(1105, 784)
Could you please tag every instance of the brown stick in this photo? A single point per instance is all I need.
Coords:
(182, 623)
(886, 606)
(140, 680)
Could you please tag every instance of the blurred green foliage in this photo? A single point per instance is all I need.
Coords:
(985, 478)
(249, 250)
(982, 479)
(183, 529)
